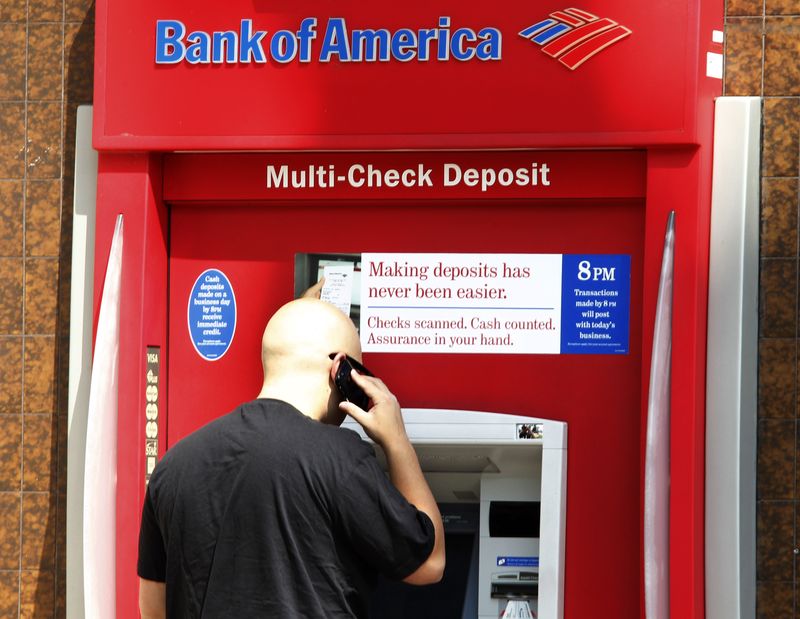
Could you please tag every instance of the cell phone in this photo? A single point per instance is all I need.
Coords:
(347, 386)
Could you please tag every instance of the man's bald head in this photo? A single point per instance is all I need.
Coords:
(307, 329)
(295, 348)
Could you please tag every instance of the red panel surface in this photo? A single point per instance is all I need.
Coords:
(598, 395)
(130, 185)
(640, 90)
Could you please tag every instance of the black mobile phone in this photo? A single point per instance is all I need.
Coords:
(347, 386)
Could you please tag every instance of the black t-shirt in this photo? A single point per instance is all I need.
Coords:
(267, 513)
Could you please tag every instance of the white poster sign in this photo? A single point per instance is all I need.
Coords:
(461, 303)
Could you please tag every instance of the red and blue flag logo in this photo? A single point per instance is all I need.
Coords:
(573, 36)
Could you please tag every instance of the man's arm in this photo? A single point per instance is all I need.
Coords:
(384, 425)
(152, 599)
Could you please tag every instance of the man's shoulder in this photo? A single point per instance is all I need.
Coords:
(195, 446)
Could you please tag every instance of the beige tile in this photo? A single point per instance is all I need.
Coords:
(12, 146)
(782, 56)
(45, 43)
(743, 41)
(41, 295)
(781, 139)
(45, 10)
(13, 10)
(774, 600)
(12, 61)
(38, 450)
(79, 11)
(9, 594)
(782, 7)
(9, 530)
(744, 7)
(779, 217)
(10, 375)
(44, 139)
(39, 388)
(10, 296)
(79, 56)
(776, 454)
(775, 532)
(37, 594)
(12, 201)
(38, 530)
(11, 450)
(43, 218)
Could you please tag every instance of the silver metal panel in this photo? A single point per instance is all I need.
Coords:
(732, 362)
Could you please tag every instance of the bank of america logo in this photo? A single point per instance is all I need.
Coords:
(572, 36)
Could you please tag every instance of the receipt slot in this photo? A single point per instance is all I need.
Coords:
(501, 483)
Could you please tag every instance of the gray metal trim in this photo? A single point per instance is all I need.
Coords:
(731, 380)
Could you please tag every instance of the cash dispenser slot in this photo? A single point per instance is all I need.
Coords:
(515, 585)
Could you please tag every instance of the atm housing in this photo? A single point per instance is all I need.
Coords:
(500, 481)
(182, 151)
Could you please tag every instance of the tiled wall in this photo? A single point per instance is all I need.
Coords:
(763, 58)
(46, 49)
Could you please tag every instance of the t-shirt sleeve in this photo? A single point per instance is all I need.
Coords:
(386, 531)
(152, 563)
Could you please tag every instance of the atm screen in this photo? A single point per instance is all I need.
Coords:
(456, 595)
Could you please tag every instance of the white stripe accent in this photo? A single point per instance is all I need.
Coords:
(100, 479)
(656, 467)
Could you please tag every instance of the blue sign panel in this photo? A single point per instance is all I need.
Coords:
(518, 561)
(212, 314)
(595, 303)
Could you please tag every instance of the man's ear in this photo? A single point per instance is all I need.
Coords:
(337, 360)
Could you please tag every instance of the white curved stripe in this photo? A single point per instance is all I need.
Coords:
(656, 472)
(100, 477)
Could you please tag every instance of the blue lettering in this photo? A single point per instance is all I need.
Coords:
(169, 47)
(443, 52)
(250, 46)
(335, 41)
(306, 34)
(283, 47)
(227, 41)
(404, 45)
(199, 52)
(370, 45)
(173, 45)
(457, 44)
(425, 37)
(491, 44)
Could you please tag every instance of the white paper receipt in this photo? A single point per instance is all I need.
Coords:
(338, 286)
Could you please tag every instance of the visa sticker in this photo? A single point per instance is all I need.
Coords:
(518, 561)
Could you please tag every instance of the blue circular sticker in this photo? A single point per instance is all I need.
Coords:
(212, 314)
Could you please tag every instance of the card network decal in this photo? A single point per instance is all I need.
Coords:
(573, 36)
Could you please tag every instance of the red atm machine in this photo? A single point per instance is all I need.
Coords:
(465, 156)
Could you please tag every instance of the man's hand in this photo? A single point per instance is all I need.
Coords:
(315, 291)
(384, 421)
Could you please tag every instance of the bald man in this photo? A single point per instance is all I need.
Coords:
(273, 510)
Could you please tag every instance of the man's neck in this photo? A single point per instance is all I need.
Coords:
(302, 399)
